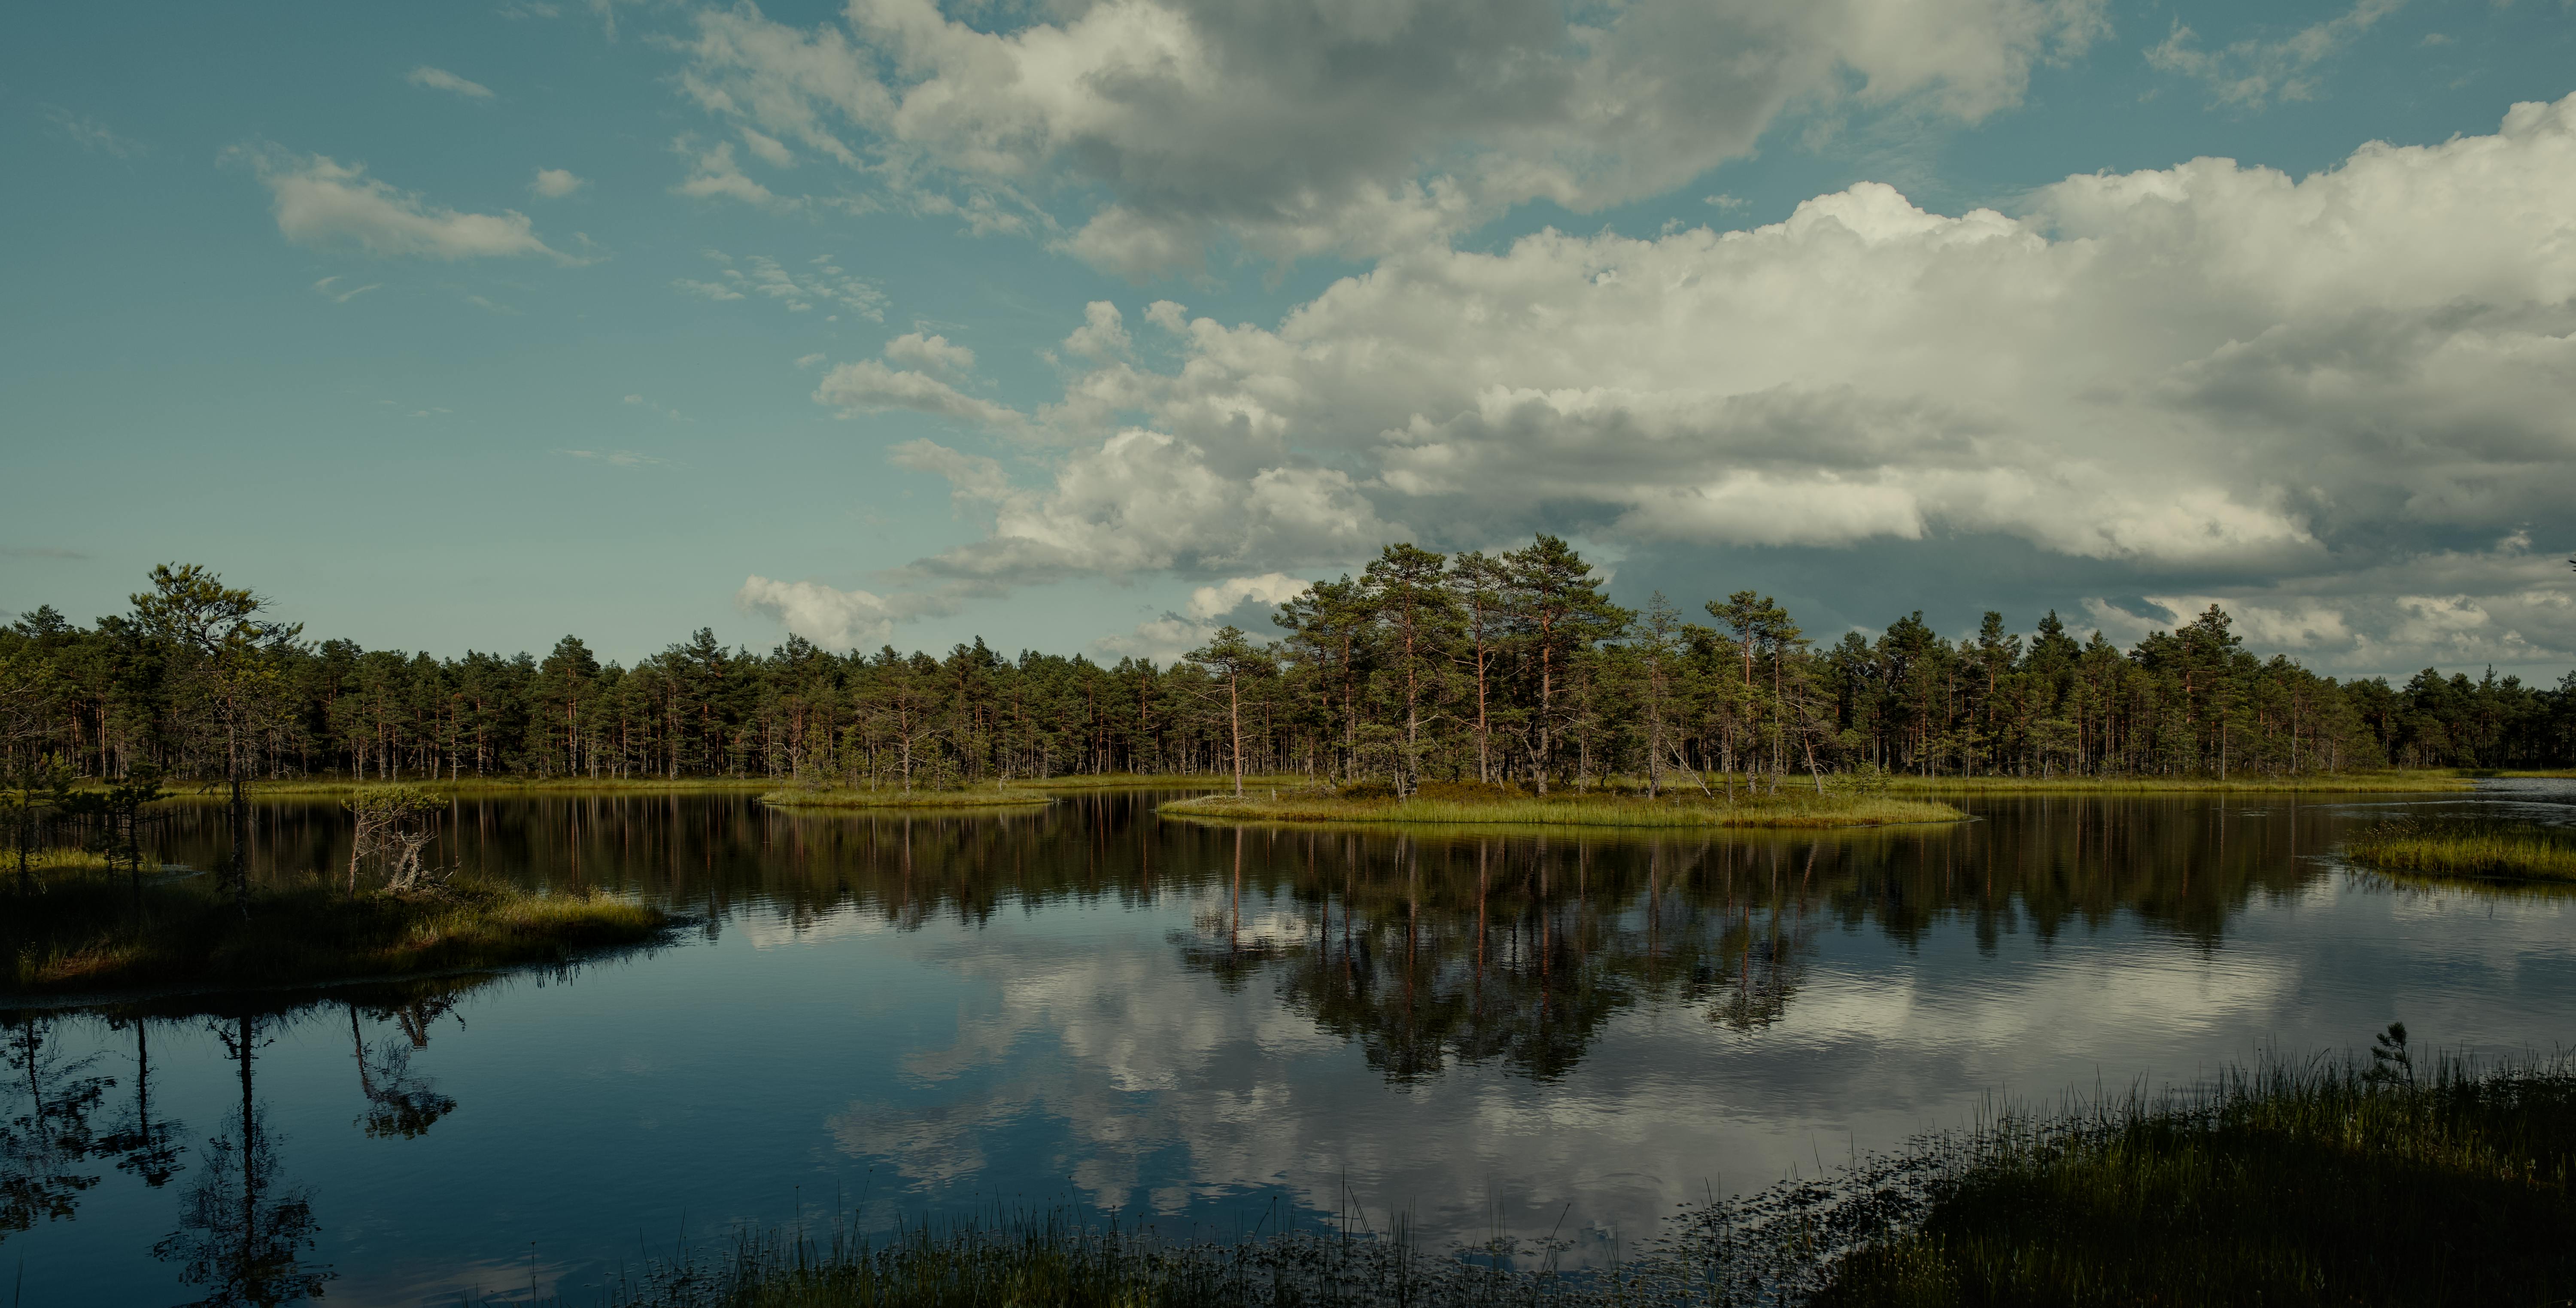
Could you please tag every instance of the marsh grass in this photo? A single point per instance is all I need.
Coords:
(2482, 849)
(82, 933)
(829, 797)
(1791, 809)
(2315, 1184)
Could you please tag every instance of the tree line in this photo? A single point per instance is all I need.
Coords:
(1512, 668)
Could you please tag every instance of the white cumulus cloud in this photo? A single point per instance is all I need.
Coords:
(2204, 374)
(1290, 129)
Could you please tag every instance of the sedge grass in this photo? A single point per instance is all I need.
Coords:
(83, 933)
(1789, 809)
(2471, 849)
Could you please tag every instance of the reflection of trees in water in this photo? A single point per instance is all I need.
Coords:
(1434, 946)
(46, 1140)
(1509, 950)
(146, 1145)
(400, 1101)
(243, 1230)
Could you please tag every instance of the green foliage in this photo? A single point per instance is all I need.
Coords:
(1423, 670)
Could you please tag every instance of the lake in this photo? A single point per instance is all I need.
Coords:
(1214, 1029)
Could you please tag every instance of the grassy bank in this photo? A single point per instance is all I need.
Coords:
(2394, 781)
(1799, 808)
(2313, 1185)
(2468, 848)
(81, 933)
(848, 797)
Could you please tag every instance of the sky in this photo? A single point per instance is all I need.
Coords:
(1086, 327)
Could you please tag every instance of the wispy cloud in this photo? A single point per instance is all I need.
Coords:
(820, 283)
(319, 201)
(2254, 72)
(439, 79)
(556, 183)
(330, 289)
(656, 406)
(91, 134)
(615, 458)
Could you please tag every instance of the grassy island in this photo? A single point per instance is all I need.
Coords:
(847, 797)
(2468, 849)
(82, 932)
(1497, 806)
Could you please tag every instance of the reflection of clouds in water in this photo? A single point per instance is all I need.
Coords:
(2098, 992)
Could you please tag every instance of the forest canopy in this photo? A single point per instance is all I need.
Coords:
(1511, 668)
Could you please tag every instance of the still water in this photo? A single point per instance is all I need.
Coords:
(1211, 1028)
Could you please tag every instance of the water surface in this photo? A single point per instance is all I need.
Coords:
(1211, 1027)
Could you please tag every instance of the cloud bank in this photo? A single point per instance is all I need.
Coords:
(1139, 134)
(2309, 390)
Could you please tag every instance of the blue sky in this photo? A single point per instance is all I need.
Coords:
(467, 326)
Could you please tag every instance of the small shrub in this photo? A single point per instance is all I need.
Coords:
(1371, 789)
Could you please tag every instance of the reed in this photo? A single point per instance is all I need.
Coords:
(1789, 809)
(2474, 849)
(85, 933)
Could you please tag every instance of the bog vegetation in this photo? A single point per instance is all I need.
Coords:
(1511, 668)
